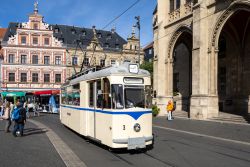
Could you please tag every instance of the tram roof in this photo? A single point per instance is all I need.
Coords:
(122, 70)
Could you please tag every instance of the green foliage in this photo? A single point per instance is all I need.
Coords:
(147, 66)
(155, 110)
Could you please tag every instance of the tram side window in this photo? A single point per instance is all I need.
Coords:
(71, 95)
(75, 95)
(99, 95)
(64, 96)
(106, 94)
(117, 96)
(91, 94)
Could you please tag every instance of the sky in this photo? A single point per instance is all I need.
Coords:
(84, 13)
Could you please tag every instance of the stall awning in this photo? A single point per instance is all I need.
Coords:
(13, 94)
(47, 92)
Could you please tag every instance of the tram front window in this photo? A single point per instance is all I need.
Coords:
(134, 97)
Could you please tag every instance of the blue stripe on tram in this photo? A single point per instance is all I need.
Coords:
(134, 114)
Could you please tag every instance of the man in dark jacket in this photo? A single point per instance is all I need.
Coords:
(19, 124)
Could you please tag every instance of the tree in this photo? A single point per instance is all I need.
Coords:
(147, 66)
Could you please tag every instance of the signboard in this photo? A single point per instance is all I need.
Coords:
(133, 68)
(128, 80)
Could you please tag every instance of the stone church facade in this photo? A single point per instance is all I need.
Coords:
(202, 56)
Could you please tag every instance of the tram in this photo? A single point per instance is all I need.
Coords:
(109, 106)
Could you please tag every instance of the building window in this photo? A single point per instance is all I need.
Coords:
(150, 51)
(35, 77)
(113, 62)
(126, 61)
(58, 78)
(11, 58)
(174, 4)
(106, 45)
(11, 77)
(86, 61)
(58, 60)
(23, 59)
(56, 30)
(35, 40)
(46, 78)
(35, 59)
(117, 46)
(46, 41)
(23, 39)
(46, 59)
(23, 77)
(178, 4)
(102, 62)
(84, 33)
(109, 36)
(74, 60)
(99, 35)
(35, 26)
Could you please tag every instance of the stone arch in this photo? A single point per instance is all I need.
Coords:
(179, 31)
(234, 7)
(180, 61)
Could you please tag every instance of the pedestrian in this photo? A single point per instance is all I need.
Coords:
(25, 106)
(1, 109)
(170, 108)
(20, 122)
(36, 111)
(6, 117)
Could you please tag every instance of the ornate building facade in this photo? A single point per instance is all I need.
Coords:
(202, 55)
(91, 47)
(33, 58)
(39, 56)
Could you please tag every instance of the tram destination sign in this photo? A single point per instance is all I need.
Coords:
(129, 80)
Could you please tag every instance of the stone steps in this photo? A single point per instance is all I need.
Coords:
(230, 118)
(227, 117)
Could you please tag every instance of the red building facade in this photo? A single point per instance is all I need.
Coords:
(33, 58)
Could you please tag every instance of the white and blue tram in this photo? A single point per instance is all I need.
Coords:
(110, 106)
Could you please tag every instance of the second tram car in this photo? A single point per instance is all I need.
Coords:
(110, 106)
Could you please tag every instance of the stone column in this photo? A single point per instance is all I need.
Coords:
(213, 100)
(200, 99)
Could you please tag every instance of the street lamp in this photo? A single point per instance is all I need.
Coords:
(138, 25)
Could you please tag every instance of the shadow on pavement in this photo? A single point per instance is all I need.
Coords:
(34, 131)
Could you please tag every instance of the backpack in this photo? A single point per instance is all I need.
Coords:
(15, 114)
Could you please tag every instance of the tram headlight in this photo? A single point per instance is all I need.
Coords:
(137, 127)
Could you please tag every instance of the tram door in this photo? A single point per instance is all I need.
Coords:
(91, 114)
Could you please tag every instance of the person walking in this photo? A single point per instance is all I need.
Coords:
(25, 106)
(6, 117)
(21, 120)
(36, 111)
(170, 108)
(1, 108)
